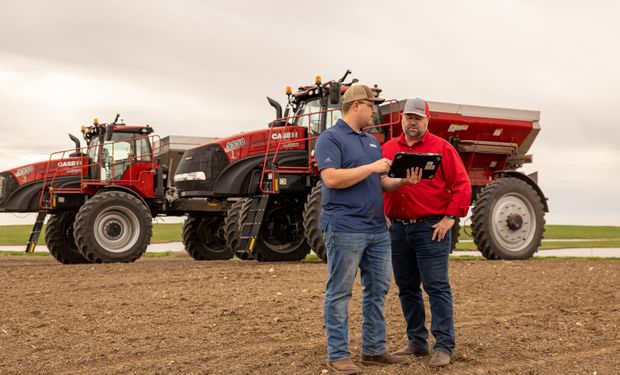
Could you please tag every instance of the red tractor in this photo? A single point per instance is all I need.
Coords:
(101, 197)
(271, 178)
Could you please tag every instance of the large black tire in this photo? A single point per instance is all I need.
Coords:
(232, 228)
(456, 233)
(60, 241)
(281, 237)
(203, 237)
(312, 212)
(508, 220)
(113, 226)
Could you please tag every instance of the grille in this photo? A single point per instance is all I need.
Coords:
(210, 159)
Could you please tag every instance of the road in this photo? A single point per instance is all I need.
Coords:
(568, 252)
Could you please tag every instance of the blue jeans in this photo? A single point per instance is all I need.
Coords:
(345, 253)
(416, 259)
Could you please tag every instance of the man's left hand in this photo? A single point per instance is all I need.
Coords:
(414, 175)
(441, 228)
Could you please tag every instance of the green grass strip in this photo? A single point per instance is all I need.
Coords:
(19, 234)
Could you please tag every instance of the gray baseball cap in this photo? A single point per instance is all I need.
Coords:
(416, 106)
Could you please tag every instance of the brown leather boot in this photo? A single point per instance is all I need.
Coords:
(344, 366)
(412, 350)
(440, 359)
(384, 359)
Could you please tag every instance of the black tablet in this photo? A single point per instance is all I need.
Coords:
(405, 160)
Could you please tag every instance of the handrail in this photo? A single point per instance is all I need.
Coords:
(394, 117)
(54, 170)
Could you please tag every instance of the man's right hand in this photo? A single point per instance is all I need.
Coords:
(381, 165)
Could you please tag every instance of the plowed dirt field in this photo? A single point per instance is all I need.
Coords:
(174, 315)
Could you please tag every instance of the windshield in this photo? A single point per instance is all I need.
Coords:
(309, 115)
(135, 144)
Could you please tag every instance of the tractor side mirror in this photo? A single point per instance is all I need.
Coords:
(109, 132)
(334, 93)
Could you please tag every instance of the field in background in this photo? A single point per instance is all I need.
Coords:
(557, 236)
(583, 236)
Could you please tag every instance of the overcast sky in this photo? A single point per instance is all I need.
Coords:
(204, 68)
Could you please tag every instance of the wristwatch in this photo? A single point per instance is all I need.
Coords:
(455, 218)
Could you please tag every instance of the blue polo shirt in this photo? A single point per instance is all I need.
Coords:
(358, 208)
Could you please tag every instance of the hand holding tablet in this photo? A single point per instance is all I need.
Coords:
(404, 161)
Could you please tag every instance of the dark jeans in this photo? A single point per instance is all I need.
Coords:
(416, 260)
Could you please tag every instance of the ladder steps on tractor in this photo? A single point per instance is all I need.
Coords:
(251, 226)
(36, 231)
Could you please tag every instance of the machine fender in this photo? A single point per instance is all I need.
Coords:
(527, 179)
(238, 178)
(127, 190)
(26, 198)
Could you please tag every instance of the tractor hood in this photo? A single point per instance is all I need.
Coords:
(202, 167)
(20, 188)
(256, 142)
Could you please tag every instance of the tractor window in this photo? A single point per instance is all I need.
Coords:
(140, 147)
(310, 116)
(116, 151)
(335, 115)
(93, 151)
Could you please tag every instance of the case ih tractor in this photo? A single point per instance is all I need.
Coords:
(101, 197)
(257, 194)
(269, 182)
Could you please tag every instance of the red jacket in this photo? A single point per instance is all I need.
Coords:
(448, 193)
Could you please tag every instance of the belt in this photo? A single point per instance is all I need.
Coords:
(416, 220)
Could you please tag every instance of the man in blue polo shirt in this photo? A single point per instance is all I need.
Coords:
(354, 229)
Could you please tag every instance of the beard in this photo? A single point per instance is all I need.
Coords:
(415, 133)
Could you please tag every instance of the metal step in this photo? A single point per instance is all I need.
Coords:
(36, 232)
(251, 227)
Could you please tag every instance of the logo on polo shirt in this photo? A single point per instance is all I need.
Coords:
(328, 160)
(373, 145)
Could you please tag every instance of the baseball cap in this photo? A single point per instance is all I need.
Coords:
(360, 92)
(416, 106)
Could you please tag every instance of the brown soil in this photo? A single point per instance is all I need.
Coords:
(176, 315)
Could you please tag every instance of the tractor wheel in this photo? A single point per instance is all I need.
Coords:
(60, 241)
(281, 236)
(456, 233)
(508, 220)
(312, 212)
(113, 226)
(203, 237)
(232, 229)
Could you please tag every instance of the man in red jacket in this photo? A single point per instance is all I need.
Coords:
(421, 217)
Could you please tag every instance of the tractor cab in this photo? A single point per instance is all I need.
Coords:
(317, 107)
(114, 148)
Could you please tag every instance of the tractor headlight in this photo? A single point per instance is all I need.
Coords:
(192, 176)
